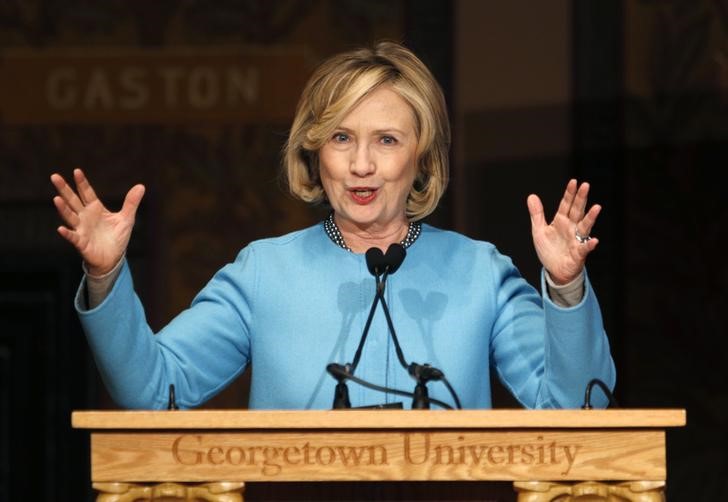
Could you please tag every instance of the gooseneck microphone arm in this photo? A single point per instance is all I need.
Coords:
(375, 263)
(359, 349)
(421, 373)
(390, 325)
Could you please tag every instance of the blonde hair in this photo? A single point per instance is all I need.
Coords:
(342, 82)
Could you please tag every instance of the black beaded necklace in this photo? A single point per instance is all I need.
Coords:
(332, 230)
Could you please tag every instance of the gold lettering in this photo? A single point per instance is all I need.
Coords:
(132, 80)
(287, 458)
(438, 454)
(241, 86)
(231, 457)
(476, 452)
(171, 76)
(373, 455)
(461, 454)
(251, 454)
(61, 91)
(216, 456)
(330, 454)
(196, 459)
(98, 92)
(306, 452)
(493, 450)
(570, 457)
(419, 449)
(541, 454)
(552, 452)
(527, 454)
(352, 454)
(271, 468)
(408, 449)
(203, 87)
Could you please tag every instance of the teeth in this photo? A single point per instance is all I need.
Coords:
(363, 193)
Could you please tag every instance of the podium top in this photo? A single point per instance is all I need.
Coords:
(380, 419)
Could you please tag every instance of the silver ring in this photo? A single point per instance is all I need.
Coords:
(582, 238)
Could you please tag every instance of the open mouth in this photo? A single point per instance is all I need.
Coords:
(363, 195)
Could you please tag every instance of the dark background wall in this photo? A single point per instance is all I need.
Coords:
(193, 98)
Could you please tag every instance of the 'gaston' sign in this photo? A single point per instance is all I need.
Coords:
(151, 85)
(403, 455)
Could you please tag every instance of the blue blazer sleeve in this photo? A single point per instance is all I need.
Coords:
(546, 354)
(201, 351)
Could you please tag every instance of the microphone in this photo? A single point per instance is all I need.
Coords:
(380, 263)
(375, 261)
(394, 257)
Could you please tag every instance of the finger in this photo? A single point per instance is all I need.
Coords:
(132, 200)
(584, 227)
(588, 247)
(568, 199)
(65, 191)
(535, 210)
(69, 216)
(70, 236)
(85, 191)
(576, 212)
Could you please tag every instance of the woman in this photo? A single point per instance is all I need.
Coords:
(370, 138)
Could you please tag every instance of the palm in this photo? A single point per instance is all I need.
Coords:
(102, 235)
(556, 244)
(99, 235)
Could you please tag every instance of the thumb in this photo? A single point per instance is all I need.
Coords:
(132, 200)
(535, 209)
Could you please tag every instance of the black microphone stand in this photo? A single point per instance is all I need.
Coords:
(341, 393)
(423, 373)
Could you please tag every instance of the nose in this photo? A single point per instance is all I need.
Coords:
(362, 162)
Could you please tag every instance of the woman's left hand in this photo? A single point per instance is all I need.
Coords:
(563, 245)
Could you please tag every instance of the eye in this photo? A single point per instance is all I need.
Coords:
(340, 137)
(388, 140)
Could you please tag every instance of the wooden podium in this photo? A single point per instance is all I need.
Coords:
(550, 455)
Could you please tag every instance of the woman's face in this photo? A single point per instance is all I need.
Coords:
(368, 165)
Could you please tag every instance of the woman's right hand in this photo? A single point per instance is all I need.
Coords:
(100, 236)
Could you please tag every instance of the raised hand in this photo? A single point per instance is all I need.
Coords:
(100, 236)
(563, 245)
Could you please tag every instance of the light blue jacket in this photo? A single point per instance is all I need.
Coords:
(291, 305)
